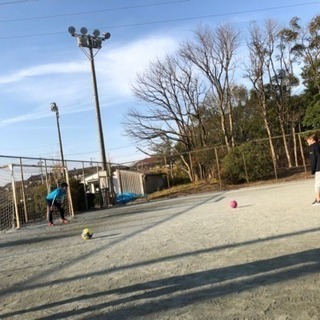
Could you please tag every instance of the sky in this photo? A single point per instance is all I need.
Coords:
(41, 63)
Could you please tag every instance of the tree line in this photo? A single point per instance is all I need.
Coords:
(207, 94)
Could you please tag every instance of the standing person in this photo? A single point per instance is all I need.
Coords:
(54, 199)
(314, 154)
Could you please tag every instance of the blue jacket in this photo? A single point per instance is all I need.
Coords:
(56, 195)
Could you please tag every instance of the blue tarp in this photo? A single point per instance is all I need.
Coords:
(127, 197)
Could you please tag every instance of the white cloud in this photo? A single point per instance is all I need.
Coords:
(23, 118)
(116, 69)
(119, 66)
(43, 70)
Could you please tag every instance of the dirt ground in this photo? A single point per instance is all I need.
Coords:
(184, 258)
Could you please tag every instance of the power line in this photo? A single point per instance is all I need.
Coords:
(213, 15)
(92, 12)
(15, 2)
(170, 20)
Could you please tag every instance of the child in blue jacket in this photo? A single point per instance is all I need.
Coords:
(54, 199)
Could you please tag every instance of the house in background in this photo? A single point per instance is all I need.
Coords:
(94, 182)
(78, 173)
(128, 181)
(138, 182)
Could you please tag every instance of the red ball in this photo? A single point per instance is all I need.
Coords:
(233, 204)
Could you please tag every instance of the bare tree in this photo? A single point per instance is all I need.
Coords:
(279, 65)
(307, 46)
(288, 79)
(257, 73)
(173, 95)
(213, 54)
(277, 71)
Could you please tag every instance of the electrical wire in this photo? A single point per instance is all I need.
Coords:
(15, 2)
(213, 15)
(93, 12)
(169, 20)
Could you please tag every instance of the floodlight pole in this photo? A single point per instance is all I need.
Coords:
(97, 104)
(91, 42)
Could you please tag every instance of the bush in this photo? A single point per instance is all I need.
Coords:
(312, 116)
(250, 161)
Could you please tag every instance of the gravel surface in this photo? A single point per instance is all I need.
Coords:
(184, 258)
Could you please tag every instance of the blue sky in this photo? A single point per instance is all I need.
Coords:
(41, 63)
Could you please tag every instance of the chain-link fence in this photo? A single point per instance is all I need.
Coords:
(24, 182)
(259, 159)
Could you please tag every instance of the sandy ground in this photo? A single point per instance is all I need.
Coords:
(185, 258)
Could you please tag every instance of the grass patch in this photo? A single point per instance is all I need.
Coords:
(185, 189)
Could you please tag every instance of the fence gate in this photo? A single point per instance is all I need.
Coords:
(7, 219)
(23, 188)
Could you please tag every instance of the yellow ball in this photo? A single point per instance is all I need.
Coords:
(86, 234)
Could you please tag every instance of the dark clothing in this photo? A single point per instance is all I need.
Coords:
(314, 154)
(50, 211)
